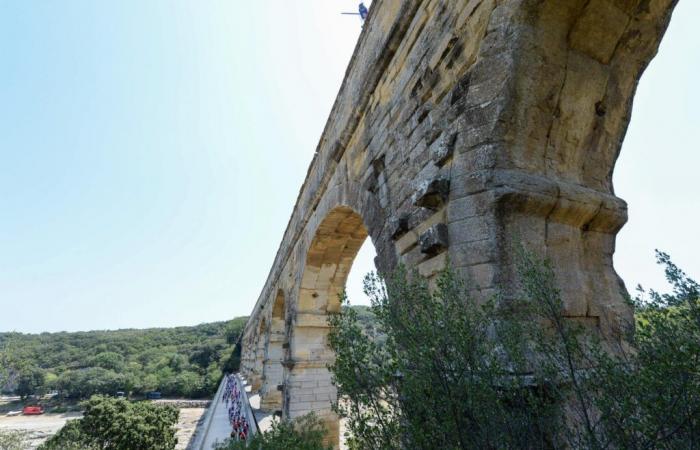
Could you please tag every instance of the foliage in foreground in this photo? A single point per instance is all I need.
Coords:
(118, 424)
(444, 376)
(305, 433)
(651, 399)
(456, 374)
(182, 361)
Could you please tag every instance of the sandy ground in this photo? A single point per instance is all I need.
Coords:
(189, 418)
(40, 428)
(36, 428)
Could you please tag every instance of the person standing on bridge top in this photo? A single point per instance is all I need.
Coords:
(363, 11)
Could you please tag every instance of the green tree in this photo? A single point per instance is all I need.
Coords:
(444, 377)
(178, 362)
(11, 440)
(234, 329)
(641, 392)
(118, 424)
(205, 354)
(84, 383)
(150, 383)
(189, 384)
(650, 398)
(6, 364)
(108, 360)
(452, 373)
(30, 381)
(70, 437)
(233, 362)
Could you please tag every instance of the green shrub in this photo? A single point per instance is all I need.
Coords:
(305, 433)
(11, 440)
(443, 378)
(650, 398)
(118, 424)
(452, 373)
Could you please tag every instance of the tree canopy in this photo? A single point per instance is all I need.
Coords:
(118, 424)
(182, 361)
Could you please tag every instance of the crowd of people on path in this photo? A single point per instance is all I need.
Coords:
(235, 398)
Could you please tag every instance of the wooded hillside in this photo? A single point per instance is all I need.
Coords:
(182, 361)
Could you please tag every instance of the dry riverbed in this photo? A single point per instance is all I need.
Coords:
(39, 428)
(189, 418)
(36, 428)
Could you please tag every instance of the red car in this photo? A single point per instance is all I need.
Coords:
(32, 410)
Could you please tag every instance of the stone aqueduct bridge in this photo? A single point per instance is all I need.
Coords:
(461, 126)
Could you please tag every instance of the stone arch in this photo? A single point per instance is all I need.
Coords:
(329, 258)
(466, 131)
(308, 385)
(273, 372)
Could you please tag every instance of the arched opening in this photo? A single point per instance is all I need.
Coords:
(273, 372)
(256, 379)
(308, 386)
(656, 170)
(363, 264)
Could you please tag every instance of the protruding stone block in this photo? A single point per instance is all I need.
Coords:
(434, 239)
(398, 226)
(442, 151)
(418, 217)
(433, 265)
(432, 193)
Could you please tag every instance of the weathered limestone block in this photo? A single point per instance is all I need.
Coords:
(434, 240)
(441, 151)
(409, 240)
(433, 266)
(599, 29)
(432, 193)
(399, 226)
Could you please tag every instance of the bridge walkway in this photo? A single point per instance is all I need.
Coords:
(216, 426)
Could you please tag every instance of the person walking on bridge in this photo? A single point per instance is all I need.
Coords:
(363, 11)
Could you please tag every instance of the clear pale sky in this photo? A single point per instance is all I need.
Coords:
(152, 151)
